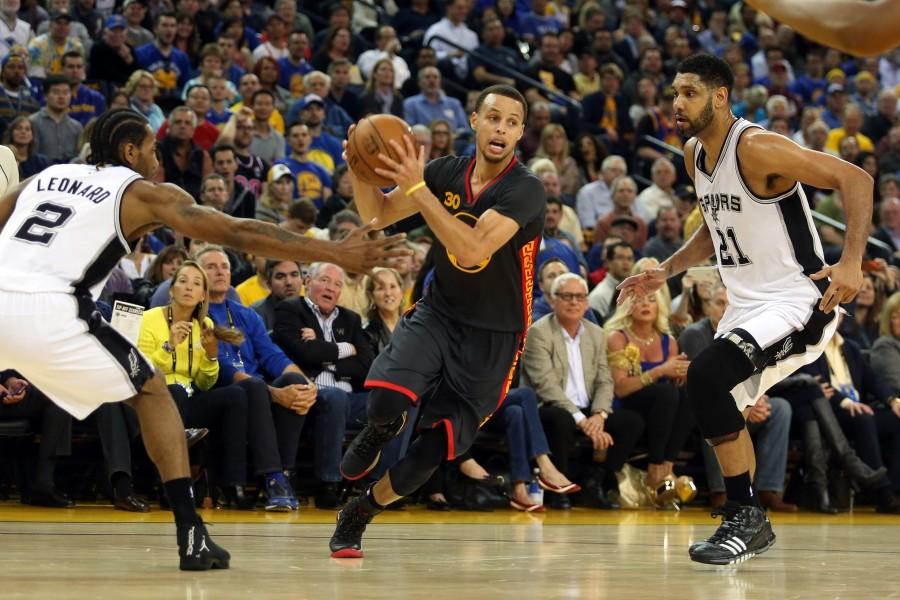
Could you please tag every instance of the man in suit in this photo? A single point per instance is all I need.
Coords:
(329, 344)
(565, 363)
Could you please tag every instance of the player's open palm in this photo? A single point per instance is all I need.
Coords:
(359, 254)
(642, 284)
(846, 279)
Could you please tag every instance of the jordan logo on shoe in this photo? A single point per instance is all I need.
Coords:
(203, 545)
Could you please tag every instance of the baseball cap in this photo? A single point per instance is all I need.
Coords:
(279, 171)
(835, 88)
(685, 192)
(114, 21)
(311, 99)
(60, 14)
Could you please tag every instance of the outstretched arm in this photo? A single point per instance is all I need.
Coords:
(771, 153)
(148, 204)
(860, 28)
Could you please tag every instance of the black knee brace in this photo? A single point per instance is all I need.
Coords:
(711, 377)
(386, 406)
(425, 454)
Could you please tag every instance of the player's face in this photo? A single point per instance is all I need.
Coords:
(693, 104)
(386, 293)
(187, 289)
(498, 125)
(286, 280)
(145, 160)
(324, 289)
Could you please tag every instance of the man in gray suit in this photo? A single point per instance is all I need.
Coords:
(565, 363)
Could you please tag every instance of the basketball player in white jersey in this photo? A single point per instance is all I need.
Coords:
(63, 231)
(781, 310)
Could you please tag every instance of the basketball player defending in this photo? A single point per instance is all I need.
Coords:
(464, 338)
(63, 231)
(781, 308)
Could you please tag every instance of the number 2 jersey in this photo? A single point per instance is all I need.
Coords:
(65, 234)
(766, 248)
(496, 294)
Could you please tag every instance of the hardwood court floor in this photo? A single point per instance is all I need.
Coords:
(96, 552)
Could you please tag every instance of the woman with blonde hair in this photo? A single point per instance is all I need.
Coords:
(381, 96)
(141, 89)
(647, 370)
(442, 139)
(183, 343)
(384, 291)
(555, 145)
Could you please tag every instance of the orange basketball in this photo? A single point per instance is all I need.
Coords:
(371, 138)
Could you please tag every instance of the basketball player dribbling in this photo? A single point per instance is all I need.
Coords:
(464, 337)
(63, 232)
(781, 306)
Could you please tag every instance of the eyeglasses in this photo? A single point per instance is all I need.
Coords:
(569, 297)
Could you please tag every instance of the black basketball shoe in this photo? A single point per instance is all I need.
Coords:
(365, 451)
(197, 551)
(346, 542)
(745, 532)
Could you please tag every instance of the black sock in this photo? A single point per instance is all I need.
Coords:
(181, 497)
(368, 502)
(121, 484)
(739, 489)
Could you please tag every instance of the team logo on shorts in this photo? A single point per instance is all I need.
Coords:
(788, 345)
(134, 365)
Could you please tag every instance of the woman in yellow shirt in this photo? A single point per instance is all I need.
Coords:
(183, 343)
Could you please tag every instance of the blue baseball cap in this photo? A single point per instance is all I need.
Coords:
(113, 21)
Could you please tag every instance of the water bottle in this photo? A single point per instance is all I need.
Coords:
(535, 491)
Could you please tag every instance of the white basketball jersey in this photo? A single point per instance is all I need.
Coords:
(64, 234)
(766, 248)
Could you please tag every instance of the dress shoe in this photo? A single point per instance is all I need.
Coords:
(772, 501)
(595, 497)
(194, 435)
(51, 498)
(557, 501)
(131, 503)
(329, 496)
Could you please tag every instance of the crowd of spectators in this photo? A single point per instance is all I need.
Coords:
(250, 101)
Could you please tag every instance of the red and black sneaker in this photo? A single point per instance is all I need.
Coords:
(365, 451)
(346, 542)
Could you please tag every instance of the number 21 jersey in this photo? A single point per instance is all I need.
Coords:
(65, 234)
(766, 248)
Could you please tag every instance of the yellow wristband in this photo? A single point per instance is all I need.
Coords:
(414, 189)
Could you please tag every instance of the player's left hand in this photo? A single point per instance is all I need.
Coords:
(846, 279)
(409, 170)
(640, 285)
(16, 389)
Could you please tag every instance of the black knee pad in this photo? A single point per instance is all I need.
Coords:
(711, 377)
(425, 455)
(386, 406)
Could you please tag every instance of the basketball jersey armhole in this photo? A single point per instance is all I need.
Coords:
(120, 196)
(746, 186)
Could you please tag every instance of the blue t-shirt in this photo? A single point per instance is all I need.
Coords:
(331, 145)
(218, 118)
(290, 76)
(310, 179)
(539, 25)
(170, 72)
(258, 356)
(86, 104)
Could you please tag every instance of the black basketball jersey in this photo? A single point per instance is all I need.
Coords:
(496, 294)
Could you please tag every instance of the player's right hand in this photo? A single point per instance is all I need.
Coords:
(642, 284)
(358, 254)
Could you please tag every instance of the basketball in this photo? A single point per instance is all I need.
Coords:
(9, 170)
(371, 138)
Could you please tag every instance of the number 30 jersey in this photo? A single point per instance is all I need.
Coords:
(766, 248)
(65, 234)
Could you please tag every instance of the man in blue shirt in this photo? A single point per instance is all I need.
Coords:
(311, 180)
(259, 367)
(86, 103)
(313, 116)
(293, 67)
(433, 104)
(169, 66)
